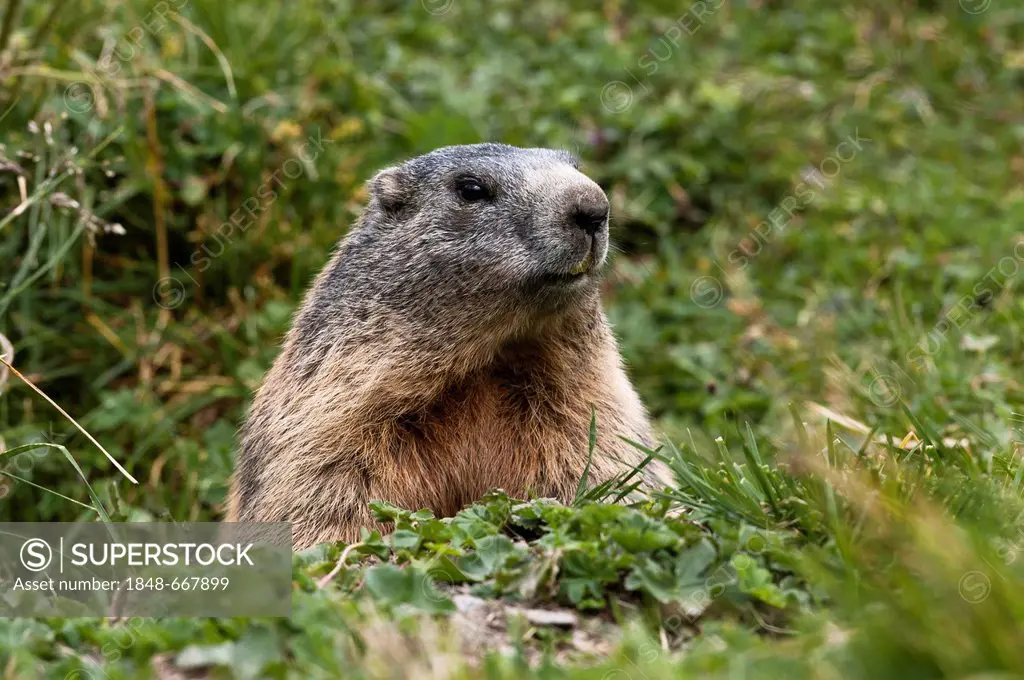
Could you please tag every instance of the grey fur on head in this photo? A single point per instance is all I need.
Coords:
(518, 237)
(423, 252)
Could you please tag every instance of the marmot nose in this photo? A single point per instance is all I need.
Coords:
(590, 213)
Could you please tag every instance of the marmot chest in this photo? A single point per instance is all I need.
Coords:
(521, 435)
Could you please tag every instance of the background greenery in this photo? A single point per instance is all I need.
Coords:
(838, 398)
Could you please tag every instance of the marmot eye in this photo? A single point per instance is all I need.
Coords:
(472, 190)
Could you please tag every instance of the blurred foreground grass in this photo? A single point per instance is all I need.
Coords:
(818, 213)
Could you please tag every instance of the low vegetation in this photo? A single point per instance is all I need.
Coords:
(817, 211)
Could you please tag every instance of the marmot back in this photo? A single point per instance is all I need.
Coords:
(455, 343)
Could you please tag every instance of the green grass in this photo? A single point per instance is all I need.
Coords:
(817, 210)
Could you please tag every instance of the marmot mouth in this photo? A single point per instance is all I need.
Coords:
(584, 266)
(578, 272)
(561, 279)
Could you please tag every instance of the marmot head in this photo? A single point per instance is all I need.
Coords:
(497, 218)
(465, 247)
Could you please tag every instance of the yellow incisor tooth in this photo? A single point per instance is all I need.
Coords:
(584, 265)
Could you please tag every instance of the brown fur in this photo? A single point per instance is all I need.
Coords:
(422, 419)
(519, 422)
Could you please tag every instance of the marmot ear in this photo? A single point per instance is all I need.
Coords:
(390, 188)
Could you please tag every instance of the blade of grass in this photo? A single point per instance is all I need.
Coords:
(830, 444)
(7, 25)
(581, 488)
(43, 488)
(97, 507)
(755, 463)
(81, 429)
(869, 439)
(801, 431)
